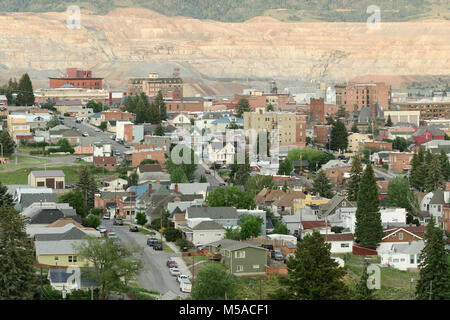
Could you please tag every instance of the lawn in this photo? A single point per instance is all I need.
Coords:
(166, 248)
(22, 161)
(20, 176)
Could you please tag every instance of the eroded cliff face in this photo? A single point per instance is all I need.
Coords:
(132, 42)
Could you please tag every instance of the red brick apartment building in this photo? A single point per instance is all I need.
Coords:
(318, 110)
(78, 79)
(109, 163)
(363, 95)
(400, 161)
(185, 105)
(116, 115)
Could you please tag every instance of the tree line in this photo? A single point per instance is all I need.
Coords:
(19, 94)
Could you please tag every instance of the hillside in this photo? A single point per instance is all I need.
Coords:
(135, 42)
(241, 10)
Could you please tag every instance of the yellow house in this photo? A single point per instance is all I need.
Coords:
(17, 125)
(62, 260)
(54, 179)
(309, 200)
(356, 139)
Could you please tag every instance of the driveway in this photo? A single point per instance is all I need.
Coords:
(154, 274)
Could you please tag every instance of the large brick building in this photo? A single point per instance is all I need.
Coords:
(291, 126)
(187, 105)
(77, 79)
(400, 161)
(169, 87)
(363, 95)
(428, 109)
(318, 110)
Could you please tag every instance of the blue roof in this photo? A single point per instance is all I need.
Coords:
(95, 115)
(228, 120)
(139, 189)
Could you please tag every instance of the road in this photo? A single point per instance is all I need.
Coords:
(155, 274)
(94, 136)
(214, 178)
(381, 173)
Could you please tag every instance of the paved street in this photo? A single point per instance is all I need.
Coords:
(214, 179)
(155, 274)
(381, 173)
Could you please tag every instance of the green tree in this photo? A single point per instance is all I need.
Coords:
(213, 282)
(401, 195)
(25, 95)
(162, 109)
(88, 186)
(133, 179)
(338, 136)
(341, 112)
(142, 113)
(312, 273)
(389, 121)
(53, 122)
(18, 280)
(445, 165)
(362, 291)
(400, 144)
(231, 196)
(232, 234)
(76, 200)
(269, 108)
(354, 128)
(5, 197)
(203, 179)
(368, 228)
(355, 178)
(418, 170)
(279, 227)
(153, 115)
(250, 226)
(178, 176)
(103, 125)
(95, 106)
(434, 268)
(242, 106)
(112, 268)
(240, 173)
(285, 167)
(159, 131)
(434, 178)
(322, 185)
(141, 218)
(171, 234)
(7, 143)
(92, 221)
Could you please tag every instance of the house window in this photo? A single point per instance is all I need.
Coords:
(72, 258)
(256, 266)
(402, 259)
(345, 245)
(400, 236)
(56, 258)
(395, 260)
(240, 254)
(239, 268)
(411, 259)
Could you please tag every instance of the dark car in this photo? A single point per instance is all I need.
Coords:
(171, 264)
(207, 172)
(158, 246)
(277, 255)
(134, 229)
(267, 246)
(152, 241)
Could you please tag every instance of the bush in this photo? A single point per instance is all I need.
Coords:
(172, 234)
(96, 211)
(141, 218)
(92, 221)
(337, 229)
(182, 243)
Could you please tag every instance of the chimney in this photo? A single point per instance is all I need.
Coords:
(150, 189)
(374, 111)
(176, 187)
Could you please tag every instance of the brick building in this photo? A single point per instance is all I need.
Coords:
(322, 133)
(109, 163)
(77, 79)
(137, 156)
(378, 145)
(116, 115)
(169, 87)
(426, 134)
(446, 218)
(400, 161)
(185, 105)
(363, 95)
(428, 109)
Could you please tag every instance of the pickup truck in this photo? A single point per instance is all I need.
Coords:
(185, 285)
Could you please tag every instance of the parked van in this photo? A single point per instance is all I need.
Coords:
(185, 285)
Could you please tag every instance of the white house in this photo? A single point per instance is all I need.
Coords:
(433, 203)
(340, 242)
(389, 216)
(403, 256)
(201, 231)
(102, 150)
(114, 184)
(181, 121)
(221, 154)
(120, 129)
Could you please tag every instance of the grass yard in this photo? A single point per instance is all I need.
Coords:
(256, 288)
(22, 161)
(166, 248)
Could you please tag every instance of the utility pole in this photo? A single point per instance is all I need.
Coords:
(431, 288)
(260, 291)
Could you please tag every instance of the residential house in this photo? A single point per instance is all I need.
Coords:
(114, 184)
(17, 126)
(54, 179)
(307, 227)
(241, 258)
(446, 218)
(191, 188)
(108, 163)
(285, 204)
(139, 155)
(45, 213)
(225, 216)
(102, 149)
(340, 242)
(24, 197)
(218, 153)
(428, 133)
(389, 216)
(357, 140)
(222, 124)
(433, 203)
(309, 200)
(266, 197)
(403, 256)
(181, 120)
(402, 234)
(380, 158)
(201, 231)
(84, 149)
(400, 161)
(62, 279)
(62, 105)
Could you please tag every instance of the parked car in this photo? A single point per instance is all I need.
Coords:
(117, 152)
(174, 271)
(222, 184)
(112, 234)
(152, 241)
(207, 171)
(102, 229)
(97, 130)
(106, 216)
(158, 246)
(134, 229)
(108, 231)
(185, 285)
(267, 246)
(171, 264)
(181, 277)
(113, 137)
(85, 134)
(277, 255)
(118, 222)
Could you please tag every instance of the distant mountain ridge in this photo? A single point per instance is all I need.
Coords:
(241, 10)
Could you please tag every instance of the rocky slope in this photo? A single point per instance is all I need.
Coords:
(134, 42)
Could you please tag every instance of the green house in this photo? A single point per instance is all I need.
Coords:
(241, 258)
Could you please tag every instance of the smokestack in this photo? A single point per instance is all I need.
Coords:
(110, 99)
(150, 189)
(176, 187)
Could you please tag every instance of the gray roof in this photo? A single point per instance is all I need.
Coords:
(212, 212)
(232, 245)
(208, 225)
(56, 247)
(330, 206)
(414, 248)
(438, 197)
(48, 173)
(365, 114)
(432, 129)
(190, 188)
(72, 234)
(61, 276)
(27, 199)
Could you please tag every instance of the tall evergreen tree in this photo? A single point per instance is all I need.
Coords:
(18, 280)
(389, 122)
(242, 106)
(88, 186)
(368, 228)
(355, 178)
(154, 114)
(159, 131)
(338, 136)
(354, 128)
(445, 165)
(312, 273)
(162, 109)
(5, 197)
(418, 170)
(434, 178)
(434, 268)
(7, 143)
(362, 291)
(322, 185)
(25, 95)
(142, 112)
(340, 113)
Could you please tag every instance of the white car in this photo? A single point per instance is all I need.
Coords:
(102, 229)
(97, 130)
(112, 235)
(174, 272)
(85, 134)
(185, 285)
(181, 277)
